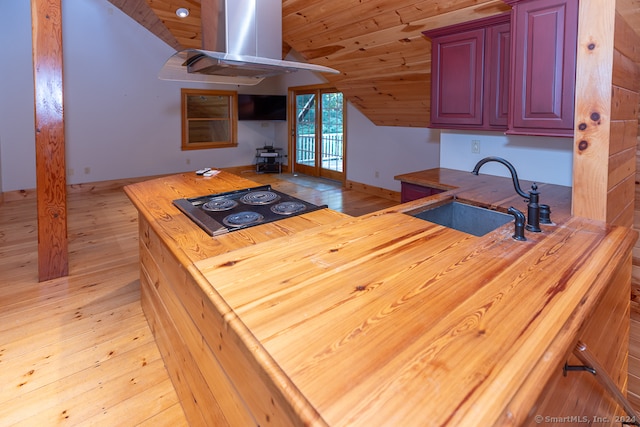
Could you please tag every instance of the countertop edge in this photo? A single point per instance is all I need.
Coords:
(515, 411)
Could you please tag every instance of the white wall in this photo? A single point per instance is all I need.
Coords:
(538, 159)
(387, 151)
(0, 170)
(121, 120)
(17, 138)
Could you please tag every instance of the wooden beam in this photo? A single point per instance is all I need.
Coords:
(593, 108)
(46, 23)
(209, 10)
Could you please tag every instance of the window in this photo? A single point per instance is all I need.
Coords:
(209, 119)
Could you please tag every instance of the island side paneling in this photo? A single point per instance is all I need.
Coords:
(195, 335)
(191, 334)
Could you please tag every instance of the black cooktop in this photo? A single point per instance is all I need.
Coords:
(234, 210)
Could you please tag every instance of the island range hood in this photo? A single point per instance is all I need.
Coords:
(247, 47)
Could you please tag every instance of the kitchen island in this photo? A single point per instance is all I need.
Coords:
(383, 319)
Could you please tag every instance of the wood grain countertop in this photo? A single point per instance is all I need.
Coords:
(186, 240)
(387, 319)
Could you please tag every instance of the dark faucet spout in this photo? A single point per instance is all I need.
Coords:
(514, 174)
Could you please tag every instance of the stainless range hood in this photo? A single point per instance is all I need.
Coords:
(247, 48)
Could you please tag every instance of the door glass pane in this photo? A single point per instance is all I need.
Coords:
(332, 131)
(306, 129)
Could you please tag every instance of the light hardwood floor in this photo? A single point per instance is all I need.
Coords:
(77, 350)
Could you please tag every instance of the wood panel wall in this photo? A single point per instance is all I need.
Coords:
(606, 136)
(624, 125)
(623, 187)
(624, 191)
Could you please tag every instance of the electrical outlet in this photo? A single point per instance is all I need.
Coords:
(87, 170)
(377, 174)
(475, 146)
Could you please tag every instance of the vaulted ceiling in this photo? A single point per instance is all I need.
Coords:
(377, 45)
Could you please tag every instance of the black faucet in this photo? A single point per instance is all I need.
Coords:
(533, 208)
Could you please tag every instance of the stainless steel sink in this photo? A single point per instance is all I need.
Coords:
(463, 217)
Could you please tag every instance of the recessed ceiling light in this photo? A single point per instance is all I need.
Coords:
(182, 12)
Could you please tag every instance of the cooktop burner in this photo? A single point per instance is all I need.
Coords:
(217, 205)
(288, 208)
(259, 198)
(242, 218)
(224, 212)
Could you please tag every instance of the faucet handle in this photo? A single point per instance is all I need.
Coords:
(545, 214)
(533, 210)
(519, 223)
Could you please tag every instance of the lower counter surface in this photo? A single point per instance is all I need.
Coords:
(394, 320)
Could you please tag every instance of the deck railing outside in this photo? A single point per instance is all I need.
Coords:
(332, 150)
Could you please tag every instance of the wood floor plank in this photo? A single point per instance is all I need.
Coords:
(145, 409)
(75, 399)
(93, 286)
(170, 417)
(78, 350)
(34, 369)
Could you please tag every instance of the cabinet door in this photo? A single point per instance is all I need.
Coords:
(413, 191)
(543, 80)
(457, 78)
(497, 80)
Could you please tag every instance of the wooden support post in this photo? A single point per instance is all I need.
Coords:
(209, 10)
(46, 24)
(593, 109)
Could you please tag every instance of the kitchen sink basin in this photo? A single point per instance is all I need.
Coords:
(466, 218)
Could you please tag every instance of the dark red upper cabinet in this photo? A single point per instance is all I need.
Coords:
(470, 74)
(544, 66)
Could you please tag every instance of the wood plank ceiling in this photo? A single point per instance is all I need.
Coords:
(377, 45)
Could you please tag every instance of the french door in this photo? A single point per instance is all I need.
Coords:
(318, 133)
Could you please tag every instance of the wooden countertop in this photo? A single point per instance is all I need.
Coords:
(389, 319)
(186, 240)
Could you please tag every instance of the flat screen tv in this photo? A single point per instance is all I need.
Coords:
(262, 107)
